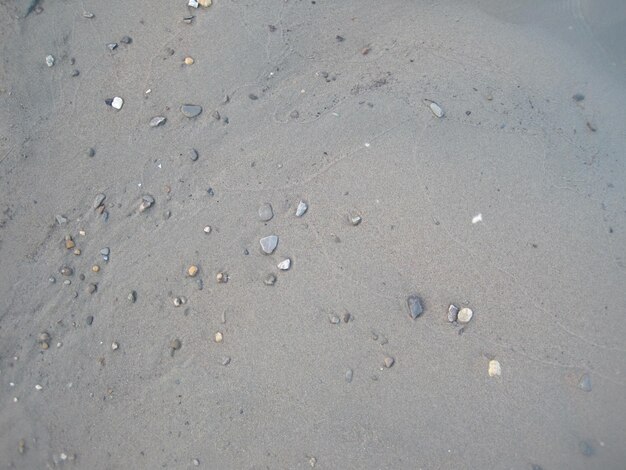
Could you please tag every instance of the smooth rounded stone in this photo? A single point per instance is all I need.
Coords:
(269, 280)
(176, 344)
(578, 97)
(269, 244)
(190, 110)
(98, 200)
(253, 97)
(284, 265)
(147, 201)
(132, 297)
(465, 315)
(43, 336)
(126, 40)
(177, 301)
(91, 152)
(436, 109)
(189, 61)
(221, 277)
(389, 361)
(193, 154)
(195, 462)
(586, 448)
(585, 383)
(225, 360)
(219, 337)
(334, 319)
(495, 370)
(67, 282)
(265, 212)
(157, 121)
(192, 270)
(301, 209)
(453, 313)
(66, 271)
(106, 251)
(415, 306)
(117, 103)
(347, 317)
(349, 375)
(89, 320)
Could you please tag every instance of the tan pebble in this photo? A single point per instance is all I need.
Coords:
(389, 361)
(219, 337)
(494, 369)
(178, 302)
(192, 270)
(77, 251)
(69, 243)
(44, 336)
(176, 344)
(221, 277)
(95, 268)
(465, 315)
(188, 60)
(205, 3)
(44, 345)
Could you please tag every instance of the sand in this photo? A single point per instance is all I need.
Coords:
(328, 102)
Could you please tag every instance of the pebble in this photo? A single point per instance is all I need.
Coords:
(586, 448)
(75, 73)
(67, 282)
(207, 229)
(347, 317)
(415, 306)
(219, 337)
(106, 251)
(95, 268)
(157, 121)
(188, 60)
(60, 219)
(192, 270)
(389, 361)
(178, 302)
(69, 243)
(265, 212)
(578, 97)
(66, 271)
(52, 280)
(195, 462)
(205, 3)
(216, 115)
(91, 288)
(225, 360)
(88, 15)
(81, 276)
(132, 296)
(253, 97)
(494, 368)
(175, 345)
(77, 251)
(349, 375)
(269, 280)
(585, 383)
(334, 319)
(284, 265)
(301, 209)
(112, 46)
(465, 315)
(268, 244)
(115, 346)
(126, 40)
(146, 202)
(49, 60)
(191, 110)
(98, 200)
(91, 152)
(355, 220)
(21, 446)
(192, 3)
(436, 109)
(117, 102)
(221, 277)
(193, 154)
(89, 320)
(453, 313)
(38, 387)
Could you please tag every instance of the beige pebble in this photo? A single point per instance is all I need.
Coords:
(82, 233)
(389, 361)
(205, 3)
(494, 369)
(221, 277)
(192, 270)
(95, 268)
(465, 315)
(44, 345)
(219, 337)
(188, 60)
(77, 251)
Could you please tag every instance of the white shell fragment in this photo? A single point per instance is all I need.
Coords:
(494, 369)
(301, 209)
(436, 109)
(477, 218)
(465, 315)
(117, 102)
(268, 244)
(49, 60)
(285, 264)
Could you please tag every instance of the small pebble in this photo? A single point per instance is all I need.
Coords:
(98, 200)
(49, 60)
(157, 121)
(88, 15)
(190, 110)
(415, 306)
(585, 383)
(207, 229)
(132, 297)
(52, 280)
(192, 270)
(115, 346)
(69, 243)
(38, 387)
(147, 201)
(436, 109)
(334, 319)
(91, 288)
(192, 3)
(225, 360)
(216, 115)
(193, 154)
(253, 97)
(349, 375)
(77, 251)
(196, 462)
(294, 114)
(89, 320)
(67, 282)
(301, 209)
(175, 345)
(117, 103)
(81, 276)
(347, 317)
(494, 368)
(269, 280)
(60, 219)
(106, 251)
(268, 244)
(465, 315)
(221, 277)
(178, 301)
(578, 97)
(75, 73)
(189, 60)
(91, 152)
(126, 40)
(95, 268)
(265, 212)
(205, 3)
(355, 220)
(21, 446)
(453, 313)
(284, 265)
(66, 271)
(219, 337)
(112, 46)
(389, 361)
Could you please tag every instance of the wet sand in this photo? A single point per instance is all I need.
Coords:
(327, 103)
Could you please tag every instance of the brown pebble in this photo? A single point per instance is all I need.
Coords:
(69, 243)
(44, 345)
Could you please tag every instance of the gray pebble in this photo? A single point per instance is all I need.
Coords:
(89, 320)
(585, 383)
(52, 280)
(389, 361)
(349, 375)
(216, 115)
(199, 283)
(415, 306)
(167, 214)
(98, 200)
(126, 40)
(225, 360)
(91, 288)
(91, 152)
(301, 209)
(453, 313)
(355, 220)
(191, 110)
(347, 317)
(157, 121)
(132, 296)
(334, 319)
(265, 212)
(578, 97)
(81, 276)
(75, 73)
(210, 192)
(269, 280)
(195, 462)
(106, 251)
(268, 244)
(112, 46)
(253, 97)
(66, 271)
(147, 202)
(193, 154)
(60, 219)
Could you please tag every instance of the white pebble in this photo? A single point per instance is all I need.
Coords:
(207, 229)
(38, 387)
(114, 345)
(63, 456)
(14, 399)
(494, 369)
(284, 264)
(436, 109)
(465, 315)
(193, 3)
(302, 208)
(117, 102)
(49, 60)
(477, 218)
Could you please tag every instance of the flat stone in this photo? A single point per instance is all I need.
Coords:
(585, 383)
(453, 313)
(157, 121)
(301, 209)
(265, 212)
(190, 110)
(269, 244)
(253, 97)
(349, 375)
(89, 320)
(415, 306)
(91, 152)
(465, 315)
(98, 200)
(284, 265)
